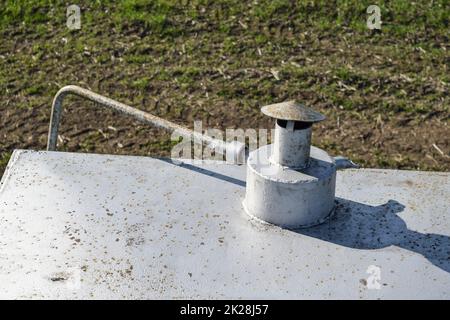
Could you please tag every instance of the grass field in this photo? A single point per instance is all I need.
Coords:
(385, 94)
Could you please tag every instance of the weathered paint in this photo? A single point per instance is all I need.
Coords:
(137, 227)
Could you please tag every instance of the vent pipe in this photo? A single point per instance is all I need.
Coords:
(290, 183)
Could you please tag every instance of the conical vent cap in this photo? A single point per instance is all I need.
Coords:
(292, 111)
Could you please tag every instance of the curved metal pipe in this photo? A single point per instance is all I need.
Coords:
(234, 151)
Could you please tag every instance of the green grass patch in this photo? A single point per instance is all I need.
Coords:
(141, 83)
(195, 56)
(172, 17)
(4, 159)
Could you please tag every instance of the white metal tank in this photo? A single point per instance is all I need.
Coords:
(85, 226)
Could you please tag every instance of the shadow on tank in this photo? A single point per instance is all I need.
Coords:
(361, 226)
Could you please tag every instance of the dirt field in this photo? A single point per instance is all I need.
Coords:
(385, 94)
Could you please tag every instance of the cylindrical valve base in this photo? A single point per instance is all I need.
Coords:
(287, 197)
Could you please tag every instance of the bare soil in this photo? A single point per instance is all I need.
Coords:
(386, 100)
